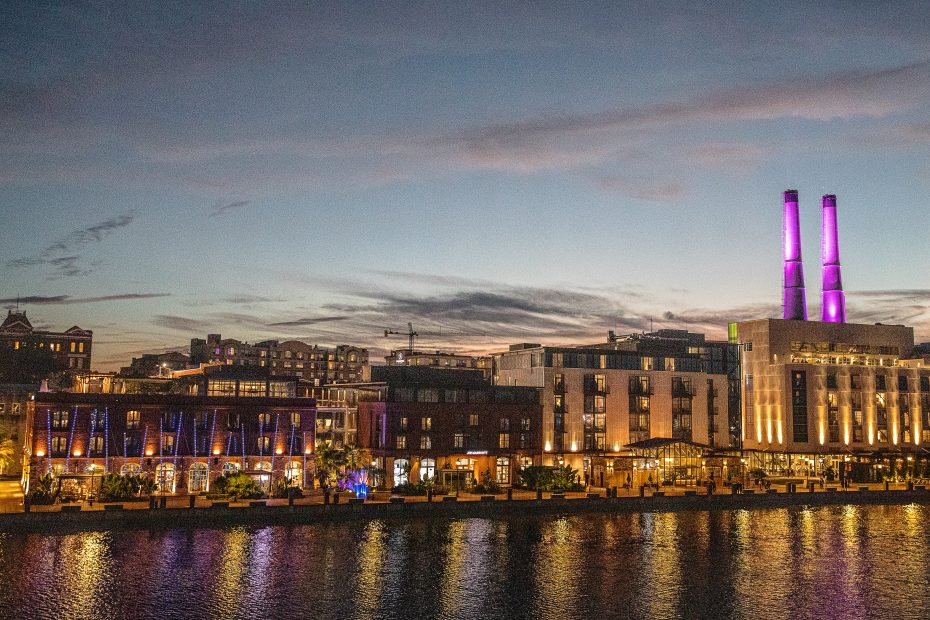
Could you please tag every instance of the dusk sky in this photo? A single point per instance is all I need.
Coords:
(500, 173)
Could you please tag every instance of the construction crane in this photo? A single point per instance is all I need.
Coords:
(409, 333)
(413, 335)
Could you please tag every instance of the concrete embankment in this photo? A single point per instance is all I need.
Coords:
(256, 516)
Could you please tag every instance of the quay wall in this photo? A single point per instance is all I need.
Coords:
(258, 516)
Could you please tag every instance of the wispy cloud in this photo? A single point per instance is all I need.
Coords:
(63, 256)
(222, 208)
(182, 324)
(308, 321)
(41, 300)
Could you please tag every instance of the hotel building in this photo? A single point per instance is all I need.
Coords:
(613, 410)
(819, 393)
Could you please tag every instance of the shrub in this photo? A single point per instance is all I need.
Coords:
(488, 484)
(237, 486)
(284, 488)
(116, 488)
(42, 493)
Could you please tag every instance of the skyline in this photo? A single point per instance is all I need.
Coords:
(326, 173)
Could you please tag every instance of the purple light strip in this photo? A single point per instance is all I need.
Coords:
(833, 299)
(795, 303)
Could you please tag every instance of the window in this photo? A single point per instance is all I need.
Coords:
(264, 445)
(503, 470)
(97, 420)
(59, 446)
(403, 395)
(747, 346)
(426, 442)
(458, 440)
(198, 478)
(402, 423)
(428, 395)
(169, 420)
(473, 419)
(401, 442)
(232, 421)
(60, 420)
(73, 347)
(558, 383)
(557, 360)
(281, 389)
(855, 382)
(221, 388)
(503, 440)
(96, 445)
(880, 382)
(167, 444)
(264, 420)
(524, 441)
(505, 424)
(200, 420)
(165, 478)
(426, 424)
(799, 405)
(401, 471)
(295, 419)
(456, 396)
(252, 388)
(427, 468)
(525, 424)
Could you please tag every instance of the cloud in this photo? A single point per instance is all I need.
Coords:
(307, 321)
(62, 257)
(221, 208)
(182, 324)
(67, 299)
(643, 189)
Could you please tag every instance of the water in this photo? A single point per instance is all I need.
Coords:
(830, 562)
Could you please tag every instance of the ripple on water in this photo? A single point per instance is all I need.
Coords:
(830, 562)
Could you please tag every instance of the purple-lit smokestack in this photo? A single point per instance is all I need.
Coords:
(795, 304)
(833, 306)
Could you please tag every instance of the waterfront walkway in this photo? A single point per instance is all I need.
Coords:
(177, 511)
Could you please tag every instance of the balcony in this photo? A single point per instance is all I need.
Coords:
(637, 388)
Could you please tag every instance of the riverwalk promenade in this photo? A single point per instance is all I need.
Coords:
(182, 511)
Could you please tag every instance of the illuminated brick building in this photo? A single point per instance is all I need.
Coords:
(220, 423)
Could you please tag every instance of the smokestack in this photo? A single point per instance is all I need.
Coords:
(795, 304)
(833, 301)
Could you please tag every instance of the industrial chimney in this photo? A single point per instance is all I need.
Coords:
(833, 306)
(795, 304)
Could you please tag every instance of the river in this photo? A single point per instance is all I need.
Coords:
(827, 562)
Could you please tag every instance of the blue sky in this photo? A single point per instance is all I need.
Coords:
(494, 172)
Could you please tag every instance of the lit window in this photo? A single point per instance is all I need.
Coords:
(401, 442)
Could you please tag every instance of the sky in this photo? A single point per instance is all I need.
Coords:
(492, 173)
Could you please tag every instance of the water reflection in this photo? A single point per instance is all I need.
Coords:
(842, 561)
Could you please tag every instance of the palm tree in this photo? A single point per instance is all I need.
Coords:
(7, 453)
(328, 462)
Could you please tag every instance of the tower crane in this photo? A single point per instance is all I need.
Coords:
(409, 333)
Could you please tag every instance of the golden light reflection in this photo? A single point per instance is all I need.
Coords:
(558, 586)
(370, 569)
(232, 568)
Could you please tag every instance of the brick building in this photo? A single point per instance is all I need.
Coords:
(70, 348)
(321, 366)
(420, 422)
(218, 424)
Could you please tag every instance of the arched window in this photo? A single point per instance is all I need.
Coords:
(294, 473)
(263, 479)
(130, 469)
(198, 478)
(427, 468)
(165, 478)
(401, 470)
(503, 470)
(230, 468)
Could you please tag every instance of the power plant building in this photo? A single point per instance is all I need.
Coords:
(825, 396)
